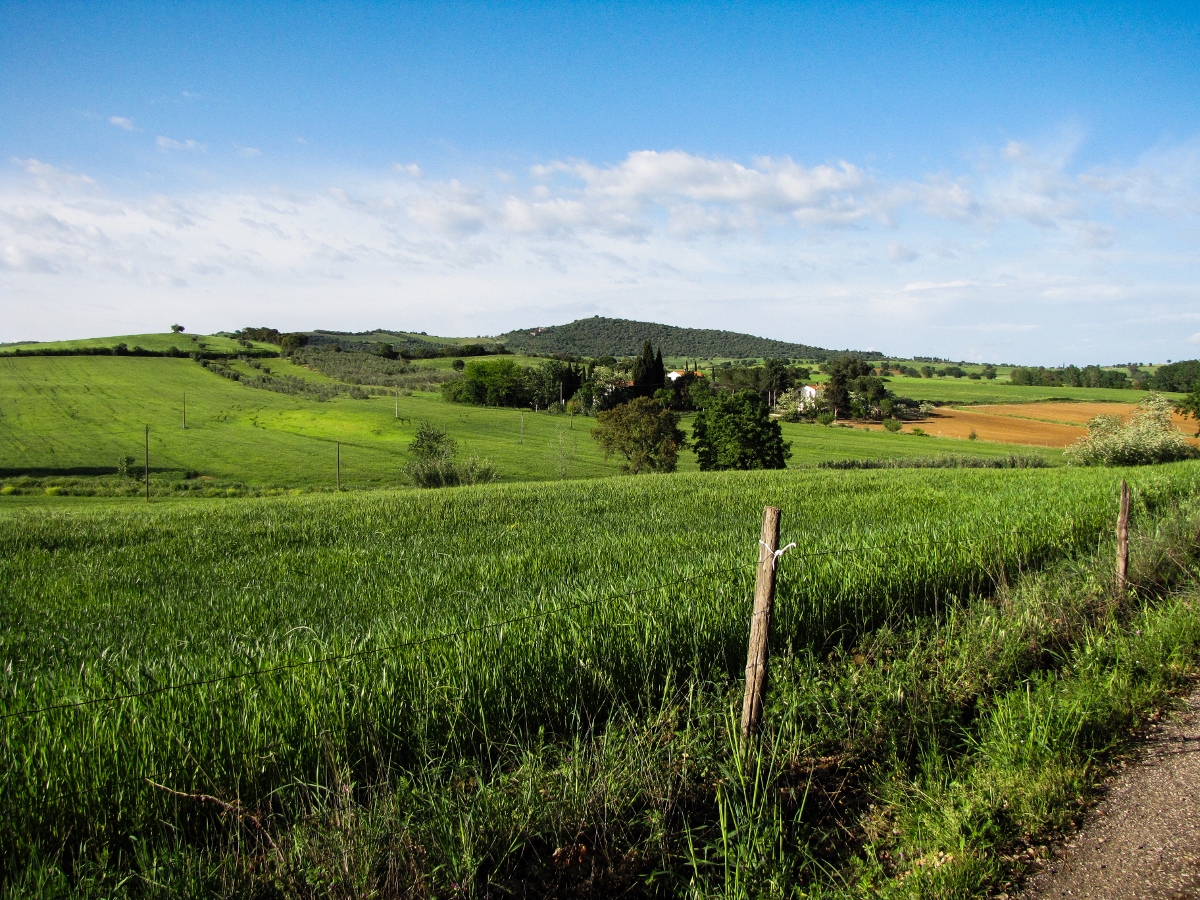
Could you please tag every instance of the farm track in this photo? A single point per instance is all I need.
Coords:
(1143, 839)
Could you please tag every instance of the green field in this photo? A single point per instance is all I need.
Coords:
(627, 601)
(965, 391)
(157, 343)
(63, 415)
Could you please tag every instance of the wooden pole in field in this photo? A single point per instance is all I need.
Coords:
(147, 463)
(397, 403)
(339, 465)
(759, 652)
(185, 410)
(1123, 540)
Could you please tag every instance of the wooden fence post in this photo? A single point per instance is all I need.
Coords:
(339, 465)
(1123, 540)
(185, 410)
(759, 652)
(147, 463)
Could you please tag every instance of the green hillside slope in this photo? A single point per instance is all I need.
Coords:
(599, 336)
(78, 414)
(155, 343)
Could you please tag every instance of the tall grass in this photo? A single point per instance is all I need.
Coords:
(624, 593)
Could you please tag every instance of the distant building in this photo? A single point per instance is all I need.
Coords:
(809, 393)
(674, 376)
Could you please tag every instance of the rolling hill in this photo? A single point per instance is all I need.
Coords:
(600, 336)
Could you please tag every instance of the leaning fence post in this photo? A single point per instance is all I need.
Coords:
(759, 652)
(1123, 540)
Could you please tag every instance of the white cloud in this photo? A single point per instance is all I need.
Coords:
(938, 285)
(1022, 258)
(1195, 338)
(166, 144)
(121, 122)
(250, 151)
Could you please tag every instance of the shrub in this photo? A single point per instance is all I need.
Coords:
(825, 418)
(125, 466)
(892, 425)
(433, 463)
(1148, 437)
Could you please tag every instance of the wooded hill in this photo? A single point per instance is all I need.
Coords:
(599, 336)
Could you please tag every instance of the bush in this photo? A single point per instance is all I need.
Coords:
(825, 418)
(892, 425)
(433, 463)
(450, 473)
(1148, 437)
(125, 466)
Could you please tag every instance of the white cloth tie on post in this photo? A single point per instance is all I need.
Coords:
(775, 554)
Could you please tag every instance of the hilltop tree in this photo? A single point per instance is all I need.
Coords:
(177, 329)
(643, 432)
(735, 431)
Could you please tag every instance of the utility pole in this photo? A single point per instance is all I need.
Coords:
(185, 410)
(147, 463)
(339, 465)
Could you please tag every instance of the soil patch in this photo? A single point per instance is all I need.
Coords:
(1032, 424)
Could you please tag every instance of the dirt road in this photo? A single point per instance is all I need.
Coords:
(1143, 839)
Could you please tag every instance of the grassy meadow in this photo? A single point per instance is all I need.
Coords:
(157, 343)
(586, 741)
(75, 415)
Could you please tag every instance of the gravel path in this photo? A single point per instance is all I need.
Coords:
(1143, 839)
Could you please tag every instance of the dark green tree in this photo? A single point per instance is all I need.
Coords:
(648, 371)
(643, 432)
(1190, 405)
(735, 431)
(843, 371)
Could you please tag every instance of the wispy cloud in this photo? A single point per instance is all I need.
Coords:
(121, 122)
(249, 151)
(167, 144)
(1023, 257)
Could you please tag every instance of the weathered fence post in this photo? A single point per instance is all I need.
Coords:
(147, 463)
(339, 465)
(759, 652)
(1123, 540)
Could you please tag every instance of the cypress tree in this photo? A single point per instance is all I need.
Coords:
(643, 366)
(659, 372)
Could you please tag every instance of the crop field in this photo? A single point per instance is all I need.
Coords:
(284, 653)
(77, 415)
(1048, 424)
(157, 343)
(964, 390)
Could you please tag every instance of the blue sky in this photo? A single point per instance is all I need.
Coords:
(1015, 183)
